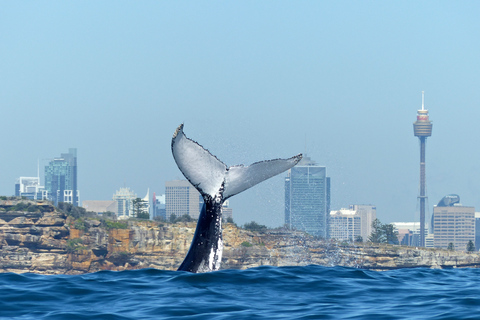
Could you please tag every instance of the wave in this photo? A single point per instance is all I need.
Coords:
(310, 292)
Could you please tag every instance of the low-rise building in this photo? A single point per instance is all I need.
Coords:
(100, 206)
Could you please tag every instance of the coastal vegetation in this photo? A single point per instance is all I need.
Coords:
(253, 226)
(383, 233)
(74, 245)
(140, 209)
(470, 246)
(246, 244)
(110, 224)
(25, 206)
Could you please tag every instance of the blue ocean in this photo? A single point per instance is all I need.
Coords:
(311, 292)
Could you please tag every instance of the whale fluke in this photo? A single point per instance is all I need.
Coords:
(216, 182)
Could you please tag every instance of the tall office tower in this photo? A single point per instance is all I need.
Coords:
(124, 198)
(422, 128)
(181, 198)
(453, 223)
(307, 198)
(61, 178)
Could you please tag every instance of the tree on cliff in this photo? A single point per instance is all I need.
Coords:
(391, 235)
(377, 235)
(383, 233)
(253, 226)
(470, 246)
(140, 209)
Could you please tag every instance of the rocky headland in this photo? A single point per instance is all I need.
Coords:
(41, 239)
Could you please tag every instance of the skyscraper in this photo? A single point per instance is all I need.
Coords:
(61, 178)
(422, 128)
(307, 198)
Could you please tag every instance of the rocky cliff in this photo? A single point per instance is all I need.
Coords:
(43, 240)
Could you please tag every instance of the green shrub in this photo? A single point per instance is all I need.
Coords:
(74, 245)
(184, 218)
(79, 224)
(246, 244)
(115, 224)
(253, 226)
(33, 209)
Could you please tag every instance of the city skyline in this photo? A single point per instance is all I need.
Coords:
(307, 194)
(340, 80)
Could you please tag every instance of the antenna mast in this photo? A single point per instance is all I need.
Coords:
(423, 100)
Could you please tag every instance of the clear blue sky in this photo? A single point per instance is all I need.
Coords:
(251, 81)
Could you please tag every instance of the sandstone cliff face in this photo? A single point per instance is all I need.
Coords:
(52, 243)
(32, 241)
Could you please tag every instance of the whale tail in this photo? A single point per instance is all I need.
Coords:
(216, 182)
(212, 178)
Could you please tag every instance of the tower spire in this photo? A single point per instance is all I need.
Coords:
(422, 128)
(423, 100)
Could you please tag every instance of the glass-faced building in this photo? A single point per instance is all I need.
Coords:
(61, 178)
(307, 198)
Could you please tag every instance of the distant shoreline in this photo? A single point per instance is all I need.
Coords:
(47, 241)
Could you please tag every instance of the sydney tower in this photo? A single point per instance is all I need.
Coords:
(422, 128)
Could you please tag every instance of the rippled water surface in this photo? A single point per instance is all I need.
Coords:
(311, 292)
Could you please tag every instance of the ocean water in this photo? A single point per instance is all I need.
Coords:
(311, 292)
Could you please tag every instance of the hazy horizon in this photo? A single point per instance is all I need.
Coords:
(251, 81)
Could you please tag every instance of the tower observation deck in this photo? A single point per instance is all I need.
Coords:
(422, 128)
